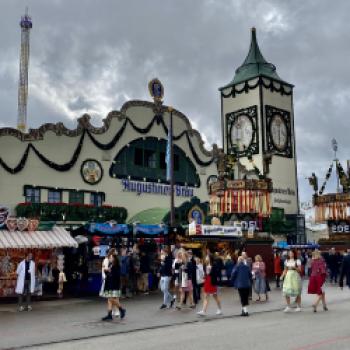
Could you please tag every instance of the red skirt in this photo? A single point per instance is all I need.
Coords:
(209, 288)
(315, 284)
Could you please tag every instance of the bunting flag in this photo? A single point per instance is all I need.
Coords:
(343, 178)
(313, 181)
(328, 175)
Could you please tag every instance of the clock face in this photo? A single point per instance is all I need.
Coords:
(242, 133)
(279, 134)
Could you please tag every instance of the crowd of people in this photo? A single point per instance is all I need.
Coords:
(187, 280)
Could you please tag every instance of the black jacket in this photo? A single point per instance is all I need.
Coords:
(112, 281)
(192, 271)
(215, 273)
(144, 264)
(333, 262)
(166, 267)
(345, 271)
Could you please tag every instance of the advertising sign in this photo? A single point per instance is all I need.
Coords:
(339, 227)
(214, 230)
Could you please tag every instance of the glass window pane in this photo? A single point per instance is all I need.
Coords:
(162, 163)
(32, 195)
(150, 159)
(176, 162)
(138, 160)
(54, 196)
(96, 199)
(76, 197)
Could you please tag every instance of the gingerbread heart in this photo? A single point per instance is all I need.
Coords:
(11, 223)
(22, 224)
(4, 212)
(33, 225)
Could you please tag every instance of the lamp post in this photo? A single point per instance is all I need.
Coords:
(171, 165)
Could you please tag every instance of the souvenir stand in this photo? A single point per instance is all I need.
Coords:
(216, 237)
(88, 259)
(151, 232)
(19, 236)
(150, 239)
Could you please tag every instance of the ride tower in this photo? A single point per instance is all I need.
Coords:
(26, 25)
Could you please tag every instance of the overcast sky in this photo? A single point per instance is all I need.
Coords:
(90, 56)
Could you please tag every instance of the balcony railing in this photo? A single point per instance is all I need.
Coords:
(333, 206)
(240, 196)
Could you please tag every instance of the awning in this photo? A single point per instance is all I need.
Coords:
(152, 230)
(152, 216)
(56, 238)
(108, 229)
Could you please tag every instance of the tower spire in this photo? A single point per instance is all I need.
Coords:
(254, 65)
(26, 25)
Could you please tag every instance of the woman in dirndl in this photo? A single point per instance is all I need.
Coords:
(185, 282)
(210, 285)
(259, 275)
(292, 281)
(317, 279)
(112, 288)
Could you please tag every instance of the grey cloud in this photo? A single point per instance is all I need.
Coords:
(90, 56)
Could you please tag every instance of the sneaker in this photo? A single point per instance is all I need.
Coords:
(122, 313)
(107, 318)
(29, 308)
(163, 306)
(325, 308)
(21, 308)
(201, 313)
(172, 303)
(219, 312)
(287, 309)
(298, 309)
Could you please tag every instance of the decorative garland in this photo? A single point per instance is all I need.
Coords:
(59, 167)
(343, 178)
(313, 181)
(246, 87)
(107, 146)
(328, 175)
(110, 144)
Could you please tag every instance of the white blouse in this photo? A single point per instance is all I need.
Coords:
(291, 263)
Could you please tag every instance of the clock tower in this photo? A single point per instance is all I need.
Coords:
(257, 121)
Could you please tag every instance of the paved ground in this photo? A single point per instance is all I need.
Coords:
(69, 322)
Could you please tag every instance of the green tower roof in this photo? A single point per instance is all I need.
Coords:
(253, 66)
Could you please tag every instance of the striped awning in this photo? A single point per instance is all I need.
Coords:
(56, 238)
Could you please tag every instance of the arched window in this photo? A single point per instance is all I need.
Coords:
(145, 159)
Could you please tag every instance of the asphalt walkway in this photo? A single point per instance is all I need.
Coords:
(68, 319)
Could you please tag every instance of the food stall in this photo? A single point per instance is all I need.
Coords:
(21, 236)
